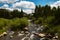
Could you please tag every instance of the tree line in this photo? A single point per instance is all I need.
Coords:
(14, 20)
(43, 15)
(11, 14)
(48, 17)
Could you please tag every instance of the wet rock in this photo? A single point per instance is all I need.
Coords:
(26, 38)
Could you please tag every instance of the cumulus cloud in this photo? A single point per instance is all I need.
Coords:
(28, 11)
(55, 4)
(26, 6)
(10, 9)
(5, 6)
(8, 1)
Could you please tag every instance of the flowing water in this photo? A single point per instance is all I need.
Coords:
(33, 28)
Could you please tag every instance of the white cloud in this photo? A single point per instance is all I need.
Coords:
(5, 6)
(26, 6)
(10, 9)
(8, 1)
(55, 4)
(28, 11)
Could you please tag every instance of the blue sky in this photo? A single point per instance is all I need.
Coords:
(38, 2)
(28, 6)
(42, 2)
